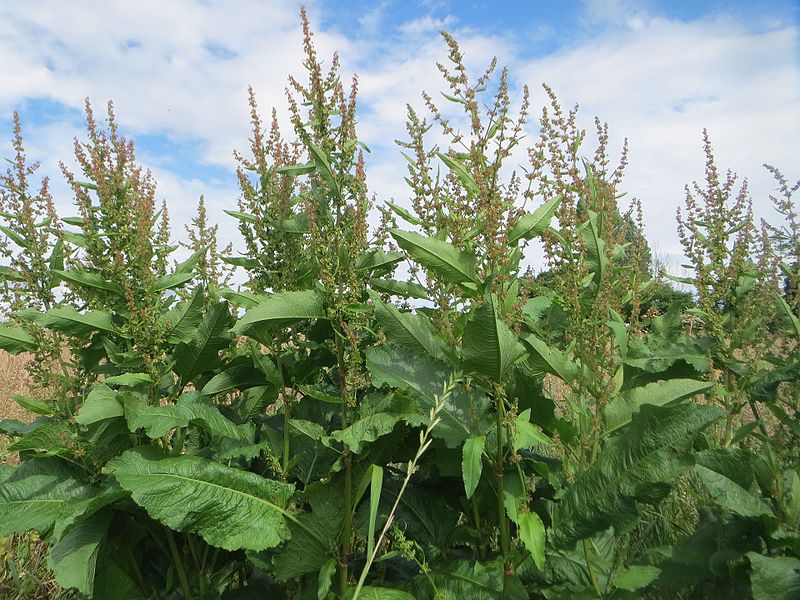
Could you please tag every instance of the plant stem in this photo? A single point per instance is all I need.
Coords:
(347, 524)
(502, 520)
(592, 576)
(178, 562)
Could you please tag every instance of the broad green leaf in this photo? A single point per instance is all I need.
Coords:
(69, 321)
(73, 559)
(551, 360)
(192, 408)
(534, 224)
(440, 257)
(172, 280)
(731, 496)
(101, 403)
(182, 321)
(369, 592)
(376, 259)
(466, 580)
(323, 166)
(526, 434)
(228, 508)
(788, 314)
(618, 412)
(403, 213)
(247, 218)
(33, 405)
(313, 392)
(202, 353)
(774, 578)
(405, 289)
(240, 298)
(405, 329)
(14, 236)
(532, 534)
(366, 430)
(296, 170)
(472, 463)
(16, 339)
(640, 464)
(636, 577)
(237, 377)
(35, 493)
(325, 579)
(89, 279)
(489, 347)
(461, 172)
(49, 439)
(129, 379)
(282, 309)
(314, 534)
(76, 511)
(597, 258)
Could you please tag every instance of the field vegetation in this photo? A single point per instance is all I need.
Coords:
(394, 405)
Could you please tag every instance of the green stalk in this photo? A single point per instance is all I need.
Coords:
(502, 520)
(178, 562)
(347, 524)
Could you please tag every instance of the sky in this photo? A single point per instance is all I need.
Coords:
(656, 71)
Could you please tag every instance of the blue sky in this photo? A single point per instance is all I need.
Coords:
(656, 71)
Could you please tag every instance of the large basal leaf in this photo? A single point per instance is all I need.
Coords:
(464, 414)
(202, 353)
(731, 496)
(16, 339)
(35, 493)
(406, 329)
(442, 258)
(228, 508)
(639, 464)
(618, 412)
(73, 559)
(313, 534)
(282, 309)
(774, 578)
(50, 439)
(192, 407)
(534, 224)
(69, 321)
(489, 347)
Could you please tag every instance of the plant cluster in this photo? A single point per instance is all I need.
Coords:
(342, 426)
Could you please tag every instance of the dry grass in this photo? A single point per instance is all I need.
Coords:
(23, 558)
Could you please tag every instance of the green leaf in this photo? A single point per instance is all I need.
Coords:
(297, 170)
(323, 165)
(89, 279)
(597, 259)
(472, 463)
(618, 412)
(33, 405)
(404, 214)
(325, 579)
(129, 379)
(49, 439)
(35, 493)
(440, 257)
(489, 347)
(366, 430)
(774, 578)
(202, 353)
(282, 309)
(69, 321)
(636, 577)
(405, 289)
(466, 580)
(247, 218)
(228, 508)
(526, 434)
(405, 329)
(16, 339)
(101, 403)
(237, 377)
(182, 321)
(532, 534)
(461, 172)
(369, 592)
(376, 484)
(14, 237)
(639, 464)
(551, 360)
(313, 392)
(172, 280)
(534, 224)
(731, 496)
(376, 259)
(788, 314)
(73, 559)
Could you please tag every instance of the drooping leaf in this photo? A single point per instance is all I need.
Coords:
(33, 405)
(237, 377)
(461, 172)
(534, 224)
(172, 280)
(378, 260)
(282, 309)
(405, 289)
(69, 321)
(466, 580)
(369, 592)
(472, 463)
(440, 257)
(489, 346)
(532, 534)
(731, 496)
(551, 360)
(228, 508)
(182, 321)
(73, 558)
(638, 465)
(129, 379)
(35, 493)
(16, 339)
(618, 412)
(366, 430)
(597, 259)
(49, 439)
(89, 279)
(636, 577)
(408, 330)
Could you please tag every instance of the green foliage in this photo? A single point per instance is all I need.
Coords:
(315, 434)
